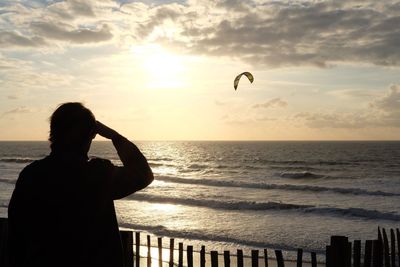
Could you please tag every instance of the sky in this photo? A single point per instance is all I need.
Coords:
(164, 70)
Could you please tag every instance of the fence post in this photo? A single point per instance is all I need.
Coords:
(240, 258)
(279, 258)
(299, 257)
(160, 259)
(227, 260)
(338, 253)
(368, 253)
(398, 242)
(386, 248)
(377, 251)
(127, 247)
(148, 251)
(393, 248)
(265, 257)
(189, 255)
(203, 256)
(137, 243)
(214, 258)
(254, 258)
(171, 252)
(313, 259)
(357, 253)
(180, 254)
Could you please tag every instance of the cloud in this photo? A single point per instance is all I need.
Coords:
(353, 93)
(78, 36)
(18, 110)
(287, 33)
(334, 120)
(262, 33)
(383, 111)
(390, 102)
(13, 39)
(275, 102)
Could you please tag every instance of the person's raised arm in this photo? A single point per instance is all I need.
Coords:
(135, 174)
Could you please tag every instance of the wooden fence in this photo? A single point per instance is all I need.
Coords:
(339, 253)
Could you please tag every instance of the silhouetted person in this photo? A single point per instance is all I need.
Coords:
(61, 212)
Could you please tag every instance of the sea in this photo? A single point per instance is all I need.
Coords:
(249, 195)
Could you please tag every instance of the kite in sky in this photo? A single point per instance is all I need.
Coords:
(247, 74)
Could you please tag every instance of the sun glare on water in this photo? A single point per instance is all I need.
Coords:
(164, 70)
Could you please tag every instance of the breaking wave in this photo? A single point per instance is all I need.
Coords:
(17, 160)
(266, 186)
(271, 206)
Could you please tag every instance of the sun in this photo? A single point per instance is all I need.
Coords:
(163, 69)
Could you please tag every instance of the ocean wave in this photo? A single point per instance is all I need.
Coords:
(157, 164)
(17, 160)
(161, 230)
(356, 212)
(265, 186)
(300, 175)
(216, 204)
(8, 181)
(309, 162)
(271, 206)
(160, 159)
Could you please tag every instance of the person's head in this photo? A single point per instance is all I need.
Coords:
(72, 128)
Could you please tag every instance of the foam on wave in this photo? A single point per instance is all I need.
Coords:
(220, 183)
(17, 160)
(271, 206)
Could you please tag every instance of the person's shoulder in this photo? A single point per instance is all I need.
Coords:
(32, 170)
(35, 166)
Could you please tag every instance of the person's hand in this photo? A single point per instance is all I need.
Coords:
(105, 131)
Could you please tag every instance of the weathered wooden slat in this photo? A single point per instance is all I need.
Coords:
(227, 258)
(348, 254)
(189, 256)
(338, 253)
(180, 254)
(328, 257)
(386, 251)
(299, 258)
(148, 251)
(392, 248)
(254, 258)
(377, 253)
(357, 253)
(127, 247)
(137, 243)
(265, 257)
(398, 244)
(368, 253)
(239, 258)
(159, 243)
(203, 256)
(171, 252)
(214, 258)
(279, 258)
(313, 259)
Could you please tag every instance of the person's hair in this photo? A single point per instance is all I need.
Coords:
(72, 126)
